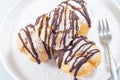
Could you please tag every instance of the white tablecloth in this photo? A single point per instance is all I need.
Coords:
(5, 5)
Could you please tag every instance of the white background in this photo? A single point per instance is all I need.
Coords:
(5, 5)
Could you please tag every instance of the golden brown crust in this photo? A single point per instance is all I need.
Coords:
(86, 69)
(58, 27)
(25, 47)
(83, 29)
(83, 61)
(62, 31)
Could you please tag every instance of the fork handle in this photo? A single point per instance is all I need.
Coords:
(112, 65)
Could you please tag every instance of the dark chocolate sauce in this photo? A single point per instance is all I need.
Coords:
(84, 12)
(84, 47)
(41, 25)
(33, 52)
(75, 78)
(47, 48)
(57, 18)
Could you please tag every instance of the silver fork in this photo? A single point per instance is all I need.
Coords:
(105, 37)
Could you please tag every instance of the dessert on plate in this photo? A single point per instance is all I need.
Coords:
(68, 20)
(79, 58)
(57, 28)
(61, 33)
(30, 44)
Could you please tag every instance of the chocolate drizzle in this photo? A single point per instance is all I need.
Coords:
(47, 48)
(64, 14)
(41, 24)
(59, 14)
(33, 52)
(85, 47)
(56, 16)
(83, 12)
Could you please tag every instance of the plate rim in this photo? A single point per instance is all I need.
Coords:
(11, 74)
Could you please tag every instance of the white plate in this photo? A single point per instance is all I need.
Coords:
(25, 12)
